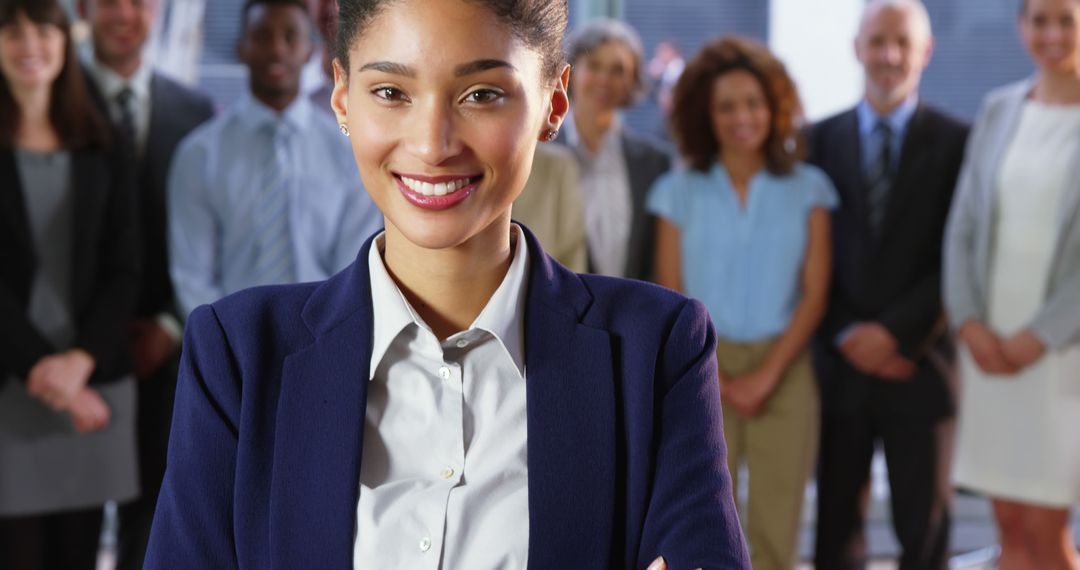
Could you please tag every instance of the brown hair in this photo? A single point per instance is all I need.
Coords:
(692, 100)
(72, 113)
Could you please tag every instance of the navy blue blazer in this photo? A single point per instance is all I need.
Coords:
(626, 454)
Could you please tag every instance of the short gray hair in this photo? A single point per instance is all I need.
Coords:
(916, 7)
(598, 32)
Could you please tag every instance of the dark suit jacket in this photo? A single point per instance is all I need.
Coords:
(105, 276)
(646, 161)
(175, 111)
(894, 279)
(625, 445)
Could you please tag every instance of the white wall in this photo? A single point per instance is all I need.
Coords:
(815, 40)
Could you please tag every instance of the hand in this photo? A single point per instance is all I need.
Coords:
(151, 346)
(749, 393)
(985, 348)
(660, 564)
(897, 369)
(57, 378)
(868, 347)
(89, 412)
(1023, 349)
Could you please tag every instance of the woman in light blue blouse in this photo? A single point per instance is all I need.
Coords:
(746, 229)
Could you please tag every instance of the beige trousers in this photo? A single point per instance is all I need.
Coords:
(779, 448)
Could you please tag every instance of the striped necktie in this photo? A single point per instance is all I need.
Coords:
(274, 261)
(879, 177)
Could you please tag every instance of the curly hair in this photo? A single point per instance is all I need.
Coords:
(690, 116)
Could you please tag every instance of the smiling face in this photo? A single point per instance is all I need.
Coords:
(31, 54)
(894, 46)
(740, 113)
(120, 28)
(604, 78)
(1051, 33)
(444, 105)
(275, 45)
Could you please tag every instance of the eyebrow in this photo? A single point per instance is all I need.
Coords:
(459, 71)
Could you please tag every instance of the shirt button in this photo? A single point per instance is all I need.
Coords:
(425, 544)
(446, 473)
(462, 343)
(444, 372)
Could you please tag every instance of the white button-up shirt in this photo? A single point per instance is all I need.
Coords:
(443, 478)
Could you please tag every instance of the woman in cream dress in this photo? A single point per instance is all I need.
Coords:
(1012, 291)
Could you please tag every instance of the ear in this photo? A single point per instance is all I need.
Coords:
(339, 98)
(559, 105)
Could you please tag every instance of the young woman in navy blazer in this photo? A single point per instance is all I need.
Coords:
(443, 102)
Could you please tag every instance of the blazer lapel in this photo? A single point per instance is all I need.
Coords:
(319, 428)
(913, 158)
(856, 195)
(571, 422)
(12, 205)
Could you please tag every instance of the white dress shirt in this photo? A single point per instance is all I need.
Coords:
(605, 192)
(110, 84)
(443, 478)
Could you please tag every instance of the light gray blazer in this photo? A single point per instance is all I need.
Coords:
(969, 233)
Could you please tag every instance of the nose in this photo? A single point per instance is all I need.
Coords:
(432, 133)
(892, 53)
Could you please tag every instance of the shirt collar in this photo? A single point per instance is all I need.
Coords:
(112, 83)
(574, 139)
(897, 120)
(503, 316)
(255, 114)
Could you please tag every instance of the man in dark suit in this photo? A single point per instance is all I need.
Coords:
(154, 113)
(881, 355)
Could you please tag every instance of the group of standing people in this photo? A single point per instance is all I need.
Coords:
(838, 263)
(822, 254)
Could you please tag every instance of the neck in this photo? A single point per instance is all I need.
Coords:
(35, 130)
(125, 67)
(1058, 87)
(276, 101)
(883, 106)
(742, 165)
(592, 126)
(449, 287)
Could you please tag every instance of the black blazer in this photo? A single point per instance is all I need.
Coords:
(104, 278)
(894, 279)
(175, 111)
(645, 162)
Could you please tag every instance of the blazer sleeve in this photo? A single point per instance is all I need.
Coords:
(1057, 323)
(102, 326)
(961, 296)
(691, 520)
(193, 525)
(21, 345)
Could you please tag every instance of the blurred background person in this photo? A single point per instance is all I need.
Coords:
(550, 206)
(325, 15)
(68, 283)
(745, 229)
(881, 353)
(617, 166)
(665, 67)
(154, 113)
(266, 192)
(1012, 289)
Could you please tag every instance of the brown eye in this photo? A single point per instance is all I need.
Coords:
(483, 96)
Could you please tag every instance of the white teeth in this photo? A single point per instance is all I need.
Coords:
(436, 189)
